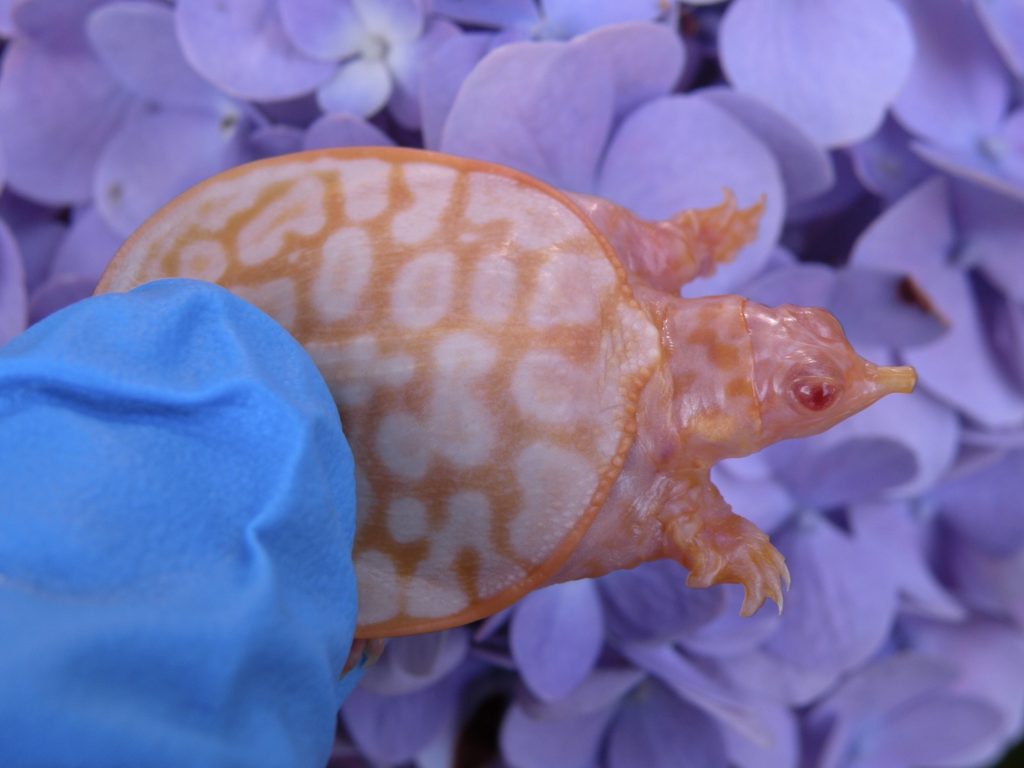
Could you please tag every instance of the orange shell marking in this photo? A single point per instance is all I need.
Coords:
(479, 338)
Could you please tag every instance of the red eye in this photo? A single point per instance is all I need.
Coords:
(815, 394)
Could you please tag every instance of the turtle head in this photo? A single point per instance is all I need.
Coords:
(806, 376)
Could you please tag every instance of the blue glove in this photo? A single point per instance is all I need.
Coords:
(176, 519)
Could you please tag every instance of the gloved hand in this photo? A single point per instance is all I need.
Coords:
(176, 519)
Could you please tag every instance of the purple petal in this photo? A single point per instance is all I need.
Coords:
(882, 308)
(600, 690)
(959, 367)
(729, 634)
(392, 729)
(839, 200)
(990, 667)
(490, 13)
(995, 161)
(493, 623)
(6, 23)
(885, 164)
(697, 685)
(660, 730)
(838, 470)
(49, 157)
(405, 61)
(1006, 147)
(761, 676)
(544, 108)
(929, 430)
(780, 752)
(241, 47)
(570, 742)
(57, 292)
(832, 66)
(568, 18)
(138, 45)
(944, 729)
(344, 131)
(849, 720)
(38, 233)
(298, 112)
(913, 234)
(13, 293)
(1004, 22)
(323, 29)
(430, 656)
(273, 140)
(413, 663)
(155, 157)
(87, 248)
(983, 505)
(839, 610)
(679, 152)
(360, 87)
(806, 168)
(393, 19)
(916, 236)
(809, 285)
(752, 491)
(1005, 321)
(958, 89)
(987, 583)
(52, 22)
(889, 530)
(441, 76)
(556, 636)
(645, 60)
(884, 684)
(992, 227)
(653, 603)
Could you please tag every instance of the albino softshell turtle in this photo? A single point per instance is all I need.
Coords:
(527, 397)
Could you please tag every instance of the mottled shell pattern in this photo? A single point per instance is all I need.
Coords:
(480, 339)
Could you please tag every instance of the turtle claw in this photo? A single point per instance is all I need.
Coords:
(729, 549)
(364, 653)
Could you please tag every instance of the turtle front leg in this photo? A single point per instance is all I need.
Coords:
(718, 546)
(667, 254)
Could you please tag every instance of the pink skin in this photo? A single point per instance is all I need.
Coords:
(737, 376)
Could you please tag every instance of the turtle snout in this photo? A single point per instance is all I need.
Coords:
(893, 379)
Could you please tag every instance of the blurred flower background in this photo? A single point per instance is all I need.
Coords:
(888, 138)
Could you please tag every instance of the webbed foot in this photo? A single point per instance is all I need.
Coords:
(666, 255)
(724, 548)
(713, 236)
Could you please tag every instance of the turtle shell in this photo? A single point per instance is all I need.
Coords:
(478, 335)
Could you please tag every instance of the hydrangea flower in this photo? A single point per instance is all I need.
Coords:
(136, 44)
(886, 137)
(962, 113)
(379, 45)
(51, 159)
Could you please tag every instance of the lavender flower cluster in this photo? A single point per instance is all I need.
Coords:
(888, 139)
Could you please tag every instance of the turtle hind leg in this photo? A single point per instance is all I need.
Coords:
(718, 546)
(668, 254)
